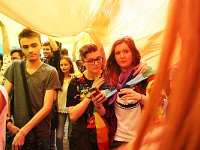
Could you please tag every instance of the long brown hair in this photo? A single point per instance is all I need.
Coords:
(113, 70)
(183, 121)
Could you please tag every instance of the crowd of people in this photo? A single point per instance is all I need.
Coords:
(113, 103)
(55, 93)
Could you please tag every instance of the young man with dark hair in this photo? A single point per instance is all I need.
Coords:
(51, 53)
(42, 81)
(17, 54)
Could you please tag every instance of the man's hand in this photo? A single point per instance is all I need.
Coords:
(19, 139)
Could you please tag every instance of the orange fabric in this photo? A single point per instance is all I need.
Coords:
(102, 132)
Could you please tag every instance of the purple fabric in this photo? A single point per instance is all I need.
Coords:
(121, 81)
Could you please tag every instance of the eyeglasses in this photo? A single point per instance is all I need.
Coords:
(92, 61)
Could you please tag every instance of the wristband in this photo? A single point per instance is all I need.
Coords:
(88, 95)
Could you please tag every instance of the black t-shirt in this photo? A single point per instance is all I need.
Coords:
(76, 92)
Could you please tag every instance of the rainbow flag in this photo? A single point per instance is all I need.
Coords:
(102, 132)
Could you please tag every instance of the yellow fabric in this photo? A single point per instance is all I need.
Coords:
(102, 132)
(143, 20)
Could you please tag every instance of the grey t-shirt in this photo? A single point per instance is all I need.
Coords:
(45, 78)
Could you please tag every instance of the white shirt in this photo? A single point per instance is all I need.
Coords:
(128, 119)
(62, 96)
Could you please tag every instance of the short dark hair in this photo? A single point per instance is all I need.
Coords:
(47, 43)
(19, 51)
(64, 51)
(88, 48)
(28, 33)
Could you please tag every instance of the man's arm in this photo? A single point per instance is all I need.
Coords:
(53, 44)
(6, 49)
(38, 117)
(74, 51)
(8, 86)
(6, 45)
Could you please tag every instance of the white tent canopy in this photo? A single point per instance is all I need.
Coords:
(143, 20)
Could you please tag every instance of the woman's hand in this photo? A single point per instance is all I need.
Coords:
(130, 94)
(98, 83)
(98, 98)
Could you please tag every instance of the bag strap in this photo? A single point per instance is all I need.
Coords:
(30, 112)
(26, 89)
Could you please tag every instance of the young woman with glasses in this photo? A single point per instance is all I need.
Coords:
(82, 103)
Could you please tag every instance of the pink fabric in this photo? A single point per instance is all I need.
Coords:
(3, 119)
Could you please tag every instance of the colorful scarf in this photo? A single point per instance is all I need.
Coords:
(123, 77)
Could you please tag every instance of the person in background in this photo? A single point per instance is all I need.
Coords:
(78, 62)
(14, 54)
(51, 53)
(6, 50)
(42, 80)
(17, 54)
(64, 53)
(3, 114)
(124, 110)
(66, 69)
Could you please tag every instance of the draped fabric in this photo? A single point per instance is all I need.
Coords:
(143, 20)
